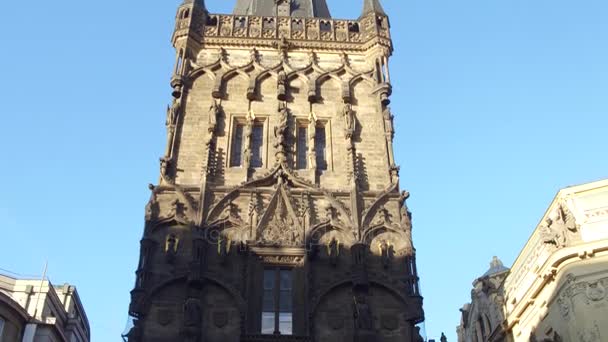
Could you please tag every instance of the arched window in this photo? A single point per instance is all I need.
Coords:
(186, 14)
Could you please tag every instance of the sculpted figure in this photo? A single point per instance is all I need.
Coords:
(443, 338)
(214, 112)
(312, 133)
(173, 112)
(333, 251)
(349, 120)
(193, 315)
(386, 250)
(282, 85)
(363, 313)
(388, 121)
(281, 129)
(171, 248)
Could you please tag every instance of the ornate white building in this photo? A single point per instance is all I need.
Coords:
(556, 289)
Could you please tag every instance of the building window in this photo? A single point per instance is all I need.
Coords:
(277, 308)
(302, 148)
(321, 147)
(257, 143)
(236, 146)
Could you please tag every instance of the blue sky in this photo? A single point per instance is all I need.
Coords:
(499, 104)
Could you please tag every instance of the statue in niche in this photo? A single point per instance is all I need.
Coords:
(193, 319)
(171, 248)
(333, 250)
(312, 134)
(165, 163)
(349, 120)
(282, 85)
(281, 130)
(363, 313)
(173, 112)
(247, 148)
(387, 252)
(214, 113)
(359, 254)
(388, 122)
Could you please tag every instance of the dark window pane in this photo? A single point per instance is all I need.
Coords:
(320, 147)
(268, 304)
(236, 152)
(257, 142)
(302, 148)
(286, 301)
(269, 279)
(286, 280)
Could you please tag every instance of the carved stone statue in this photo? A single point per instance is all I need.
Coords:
(165, 162)
(171, 248)
(387, 251)
(173, 112)
(281, 129)
(388, 122)
(359, 254)
(349, 121)
(551, 235)
(443, 338)
(247, 148)
(214, 112)
(333, 250)
(312, 134)
(363, 313)
(282, 85)
(192, 313)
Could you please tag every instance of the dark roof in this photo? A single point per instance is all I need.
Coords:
(374, 6)
(299, 8)
(496, 267)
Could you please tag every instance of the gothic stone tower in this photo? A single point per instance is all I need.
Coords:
(278, 215)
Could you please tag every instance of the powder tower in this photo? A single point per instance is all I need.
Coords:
(278, 215)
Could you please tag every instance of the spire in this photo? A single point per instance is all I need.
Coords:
(372, 6)
(294, 8)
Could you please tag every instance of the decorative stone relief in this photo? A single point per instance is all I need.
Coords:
(590, 334)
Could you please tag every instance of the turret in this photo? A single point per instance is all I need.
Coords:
(190, 18)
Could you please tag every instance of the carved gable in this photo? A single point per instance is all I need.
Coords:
(280, 224)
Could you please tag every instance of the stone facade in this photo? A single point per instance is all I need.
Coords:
(556, 289)
(278, 214)
(32, 310)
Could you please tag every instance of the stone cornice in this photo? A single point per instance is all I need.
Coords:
(549, 271)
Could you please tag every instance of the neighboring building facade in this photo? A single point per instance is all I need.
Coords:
(34, 310)
(556, 289)
(278, 216)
